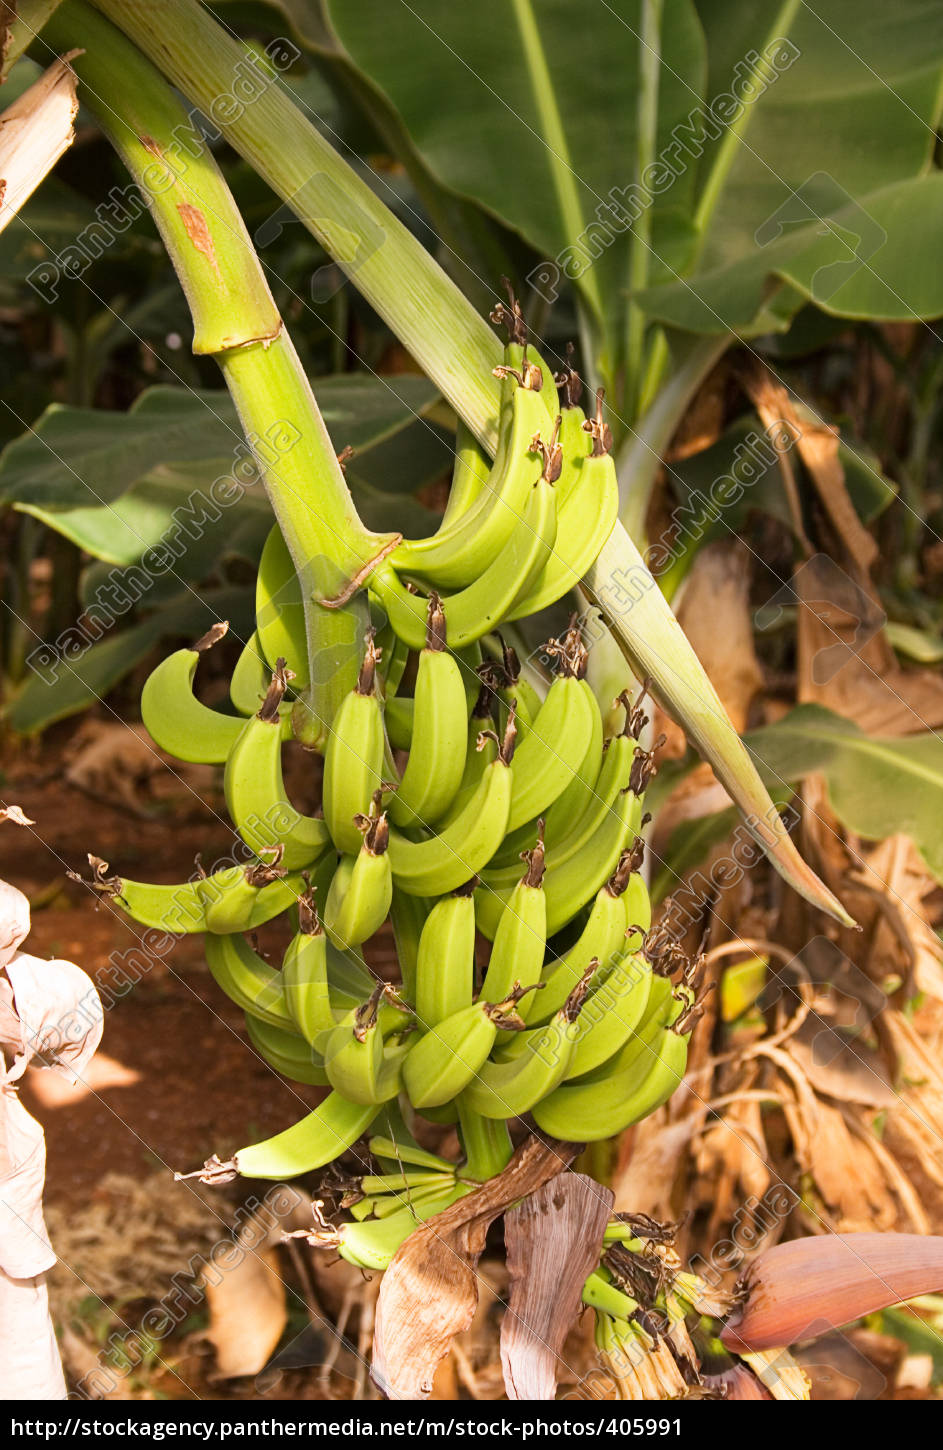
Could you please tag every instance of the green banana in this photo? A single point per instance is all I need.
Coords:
(469, 475)
(305, 979)
(611, 1014)
(572, 802)
(579, 863)
(247, 979)
(398, 716)
(353, 757)
(238, 898)
(587, 511)
(481, 748)
(535, 1064)
(250, 680)
(288, 1053)
(255, 788)
(279, 609)
(445, 1059)
(561, 732)
(362, 887)
(176, 909)
(386, 1149)
(512, 688)
(440, 863)
(459, 552)
(408, 916)
(603, 937)
(372, 1244)
(437, 746)
(665, 1006)
(316, 1139)
(357, 1061)
(479, 607)
(445, 965)
(175, 719)
(517, 952)
(593, 1110)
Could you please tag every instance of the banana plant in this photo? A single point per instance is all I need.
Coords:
(458, 351)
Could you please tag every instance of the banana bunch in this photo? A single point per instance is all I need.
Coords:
(479, 807)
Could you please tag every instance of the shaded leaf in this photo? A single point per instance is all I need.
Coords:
(80, 679)
(877, 786)
(556, 124)
(77, 462)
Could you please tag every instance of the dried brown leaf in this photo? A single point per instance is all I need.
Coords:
(430, 1290)
(553, 1239)
(34, 132)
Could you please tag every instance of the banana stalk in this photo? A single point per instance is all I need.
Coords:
(443, 331)
(236, 321)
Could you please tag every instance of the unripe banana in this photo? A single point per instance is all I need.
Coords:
(459, 552)
(361, 891)
(611, 1014)
(408, 916)
(175, 719)
(578, 864)
(279, 609)
(587, 511)
(445, 1059)
(353, 757)
(517, 952)
(318, 1138)
(665, 1006)
(526, 1075)
(288, 1053)
(255, 788)
(238, 898)
(480, 607)
(443, 862)
(305, 978)
(481, 747)
(177, 908)
(386, 1150)
(561, 733)
(372, 1244)
(594, 1110)
(469, 475)
(436, 762)
(355, 1057)
(603, 938)
(514, 690)
(247, 979)
(250, 680)
(445, 969)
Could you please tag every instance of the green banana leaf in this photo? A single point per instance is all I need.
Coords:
(557, 130)
(81, 678)
(740, 181)
(115, 482)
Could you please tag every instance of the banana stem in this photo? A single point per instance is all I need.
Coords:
(487, 1145)
(388, 265)
(236, 321)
